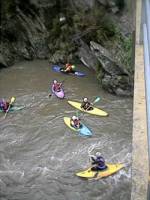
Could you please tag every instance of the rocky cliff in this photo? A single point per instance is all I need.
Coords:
(71, 30)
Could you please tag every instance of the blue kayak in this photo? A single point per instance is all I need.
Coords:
(85, 130)
(57, 68)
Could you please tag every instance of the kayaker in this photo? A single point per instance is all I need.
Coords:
(75, 122)
(98, 161)
(86, 105)
(68, 68)
(4, 105)
(56, 86)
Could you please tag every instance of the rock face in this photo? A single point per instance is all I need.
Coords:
(2, 62)
(24, 34)
(114, 77)
(112, 5)
(35, 29)
(106, 60)
(84, 4)
(87, 57)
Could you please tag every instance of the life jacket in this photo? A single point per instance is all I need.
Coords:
(68, 67)
(75, 122)
(57, 87)
(4, 106)
(100, 162)
(86, 105)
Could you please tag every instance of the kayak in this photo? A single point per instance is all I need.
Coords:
(83, 130)
(95, 111)
(57, 68)
(111, 169)
(59, 94)
(14, 108)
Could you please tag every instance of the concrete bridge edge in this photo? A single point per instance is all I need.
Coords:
(140, 170)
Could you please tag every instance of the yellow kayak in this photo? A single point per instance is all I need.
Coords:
(67, 122)
(111, 169)
(95, 111)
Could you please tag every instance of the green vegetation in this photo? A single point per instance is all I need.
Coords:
(126, 52)
(99, 72)
(123, 49)
(91, 25)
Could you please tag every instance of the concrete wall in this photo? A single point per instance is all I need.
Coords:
(139, 142)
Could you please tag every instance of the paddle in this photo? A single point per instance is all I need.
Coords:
(77, 113)
(95, 101)
(11, 102)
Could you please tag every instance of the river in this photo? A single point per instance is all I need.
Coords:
(39, 155)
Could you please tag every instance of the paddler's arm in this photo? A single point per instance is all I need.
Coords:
(92, 158)
(82, 105)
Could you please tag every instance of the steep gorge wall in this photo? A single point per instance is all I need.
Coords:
(32, 29)
(26, 26)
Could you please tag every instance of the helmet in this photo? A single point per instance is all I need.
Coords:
(73, 66)
(74, 117)
(55, 81)
(85, 99)
(98, 154)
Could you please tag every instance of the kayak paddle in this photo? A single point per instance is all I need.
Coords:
(11, 102)
(77, 113)
(96, 100)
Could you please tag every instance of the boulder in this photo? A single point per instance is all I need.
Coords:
(84, 4)
(118, 85)
(86, 56)
(43, 3)
(57, 57)
(106, 60)
(25, 34)
(111, 4)
(114, 78)
(2, 61)
(89, 4)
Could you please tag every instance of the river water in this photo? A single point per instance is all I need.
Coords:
(39, 155)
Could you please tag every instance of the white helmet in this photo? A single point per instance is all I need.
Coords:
(85, 99)
(55, 81)
(74, 118)
(98, 154)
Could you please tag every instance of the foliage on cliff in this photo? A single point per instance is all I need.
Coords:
(90, 25)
